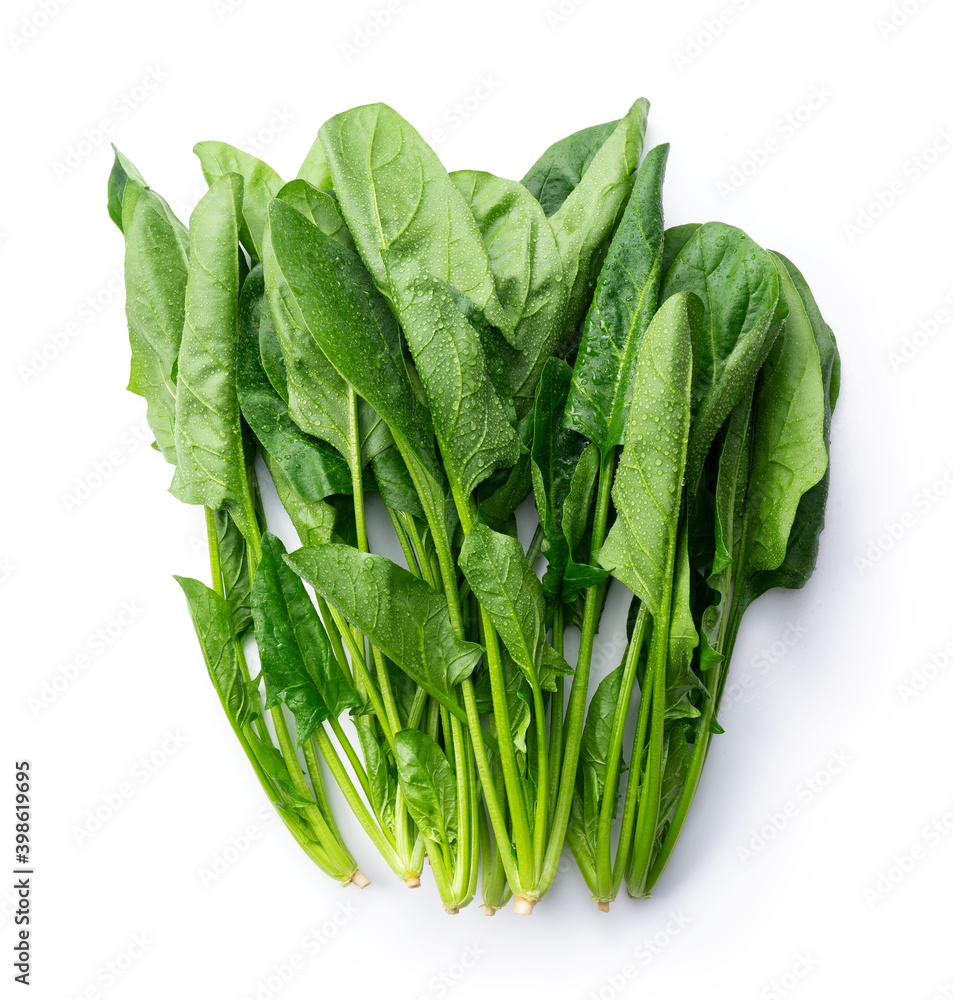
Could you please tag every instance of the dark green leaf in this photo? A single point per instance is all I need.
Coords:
(737, 286)
(402, 615)
(314, 469)
(320, 207)
(383, 787)
(212, 619)
(296, 656)
(625, 302)
(429, 785)
(555, 175)
(585, 220)
(233, 555)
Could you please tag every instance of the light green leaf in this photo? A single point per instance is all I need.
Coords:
(429, 785)
(261, 184)
(648, 484)
(399, 199)
(208, 433)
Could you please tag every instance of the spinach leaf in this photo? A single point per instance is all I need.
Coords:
(233, 558)
(313, 468)
(510, 592)
(399, 199)
(212, 619)
(296, 656)
(625, 302)
(738, 287)
(527, 270)
(208, 434)
(320, 207)
(331, 295)
(788, 453)
(260, 185)
(587, 217)
(675, 239)
(156, 269)
(803, 542)
(558, 467)
(648, 484)
(472, 427)
(429, 785)
(314, 169)
(313, 521)
(380, 779)
(403, 616)
(556, 174)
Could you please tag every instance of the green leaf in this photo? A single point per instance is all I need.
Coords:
(800, 556)
(528, 274)
(472, 427)
(261, 184)
(212, 619)
(737, 284)
(380, 780)
(583, 223)
(683, 687)
(788, 454)
(296, 656)
(579, 498)
(429, 785)
(677, 759)
(556, 174)
(648, 484)
(398, 198)
(315, 170)
(208, 433)
(314, 469)
(233, 555)
(314, 522)
(320, 207)
(156, 268)
(558, 465)
(389, 476)
(625, 302)
(329, 293)
(597, 732)
(675, 238)
(123, 172)
(510, 592)
(402, 615)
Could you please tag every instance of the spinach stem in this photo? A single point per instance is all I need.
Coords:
(580, 683)
(603, 859)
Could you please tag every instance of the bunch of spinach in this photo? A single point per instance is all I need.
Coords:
(452, 343)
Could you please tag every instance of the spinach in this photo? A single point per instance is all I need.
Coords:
(452, 342)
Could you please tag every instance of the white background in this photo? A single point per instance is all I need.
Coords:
(819, 674)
